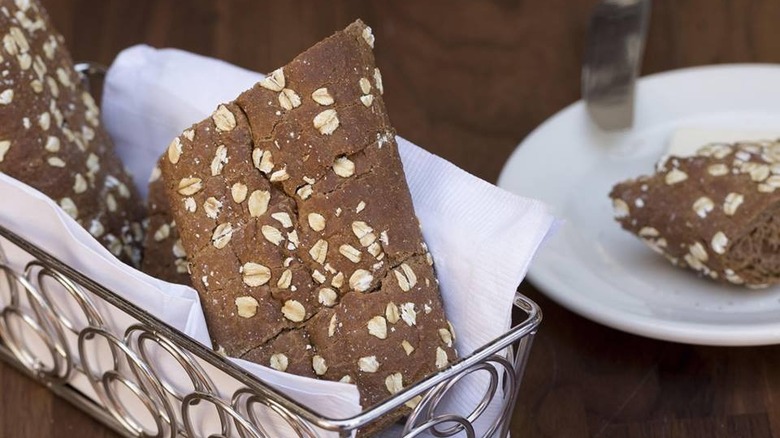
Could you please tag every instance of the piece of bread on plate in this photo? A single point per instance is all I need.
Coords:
(715, 212)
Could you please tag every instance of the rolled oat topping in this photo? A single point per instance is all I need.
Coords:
(368, 364)
(327, 121)
(322, 96)
(255, 274)
(274, 81)
(294, 311)
(224, 120)
(247, 306)
(279, 362)
(344, 167)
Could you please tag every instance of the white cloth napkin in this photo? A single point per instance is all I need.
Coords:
(482, 238)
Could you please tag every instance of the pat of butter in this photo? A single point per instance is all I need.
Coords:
(686, 141)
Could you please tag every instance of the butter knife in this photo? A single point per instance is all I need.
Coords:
(613, 57)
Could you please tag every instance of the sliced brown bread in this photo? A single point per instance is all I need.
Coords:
(713, 212)
(292, 205)
(51, 137)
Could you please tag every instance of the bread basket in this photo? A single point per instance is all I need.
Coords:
(53, 327)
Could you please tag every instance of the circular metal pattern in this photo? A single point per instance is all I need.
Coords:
(123, 415)
(138, 337)
(43, 321)
(506, 373)
(496, 367)
(146, 380)
(244, 401)
(26, 357)
(461, 424)
(245, 428)
(31, 304)
(195, 372)
(75, 293)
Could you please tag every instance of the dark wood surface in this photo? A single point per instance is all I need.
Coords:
(468, 80)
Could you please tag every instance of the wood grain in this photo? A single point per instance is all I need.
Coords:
(468, 80)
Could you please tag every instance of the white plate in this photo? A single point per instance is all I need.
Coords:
(596, 269)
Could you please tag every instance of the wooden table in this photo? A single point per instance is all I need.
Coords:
(468, 80)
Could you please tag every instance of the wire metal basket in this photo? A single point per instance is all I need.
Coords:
(59, 327)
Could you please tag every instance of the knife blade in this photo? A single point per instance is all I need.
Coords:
(613, 57)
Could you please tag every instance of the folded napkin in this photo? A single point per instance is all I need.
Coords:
(482, 238)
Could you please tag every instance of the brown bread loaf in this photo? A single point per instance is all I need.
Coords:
(51, 137)
(713, 212)
(292, 205)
